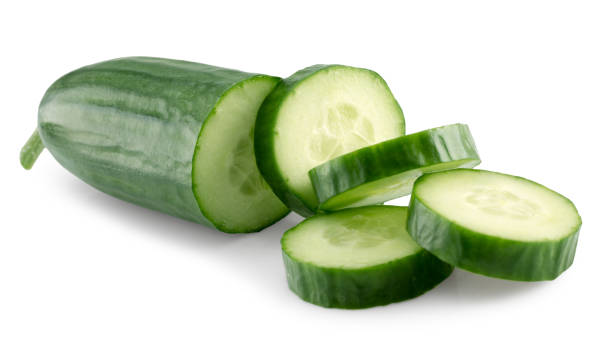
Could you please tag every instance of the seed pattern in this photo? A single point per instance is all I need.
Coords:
(342, 129)
(502, 203)
(241, 169)
(359, 232)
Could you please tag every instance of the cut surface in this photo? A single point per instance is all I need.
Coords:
(498, 205)
(331, 112)
(352, 239)
(229, 188)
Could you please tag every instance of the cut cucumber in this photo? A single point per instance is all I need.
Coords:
(169, 135)
(358, 258)
(387, 170)
(494, 224)
(315, 115)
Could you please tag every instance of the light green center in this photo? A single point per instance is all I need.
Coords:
(341, 129)
(502, 203)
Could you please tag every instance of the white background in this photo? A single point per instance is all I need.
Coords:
(533, 79)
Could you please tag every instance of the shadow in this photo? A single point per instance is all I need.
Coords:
(470, 287)
(257, 255)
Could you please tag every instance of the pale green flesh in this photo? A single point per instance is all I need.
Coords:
(388, 188)
(228, 185)
(499, 205)
(355, 239)
(331, 113)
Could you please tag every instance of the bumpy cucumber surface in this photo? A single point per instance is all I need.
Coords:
(387, 170)
(358, 258)
(170, 135)
(494, 224)
(315, 115)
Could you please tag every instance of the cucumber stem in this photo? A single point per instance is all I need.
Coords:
(31, 150)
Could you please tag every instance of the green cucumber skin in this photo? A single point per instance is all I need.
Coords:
(488, 255)
(379, 285)
(163, 105)
(367, 164)
(265, 133)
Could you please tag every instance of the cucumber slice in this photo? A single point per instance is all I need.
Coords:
(387, 170)
(494, 224)
(173, 136)
(358, 258)
(315, 115)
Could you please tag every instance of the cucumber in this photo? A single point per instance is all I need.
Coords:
(169, 135)
(387, 170)
(358, 258)
(494, 224)
(315, 115)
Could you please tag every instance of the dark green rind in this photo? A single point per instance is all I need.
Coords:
(265, 132)
(145, 157)
(378, 285)
(391, 157)
(488, 255)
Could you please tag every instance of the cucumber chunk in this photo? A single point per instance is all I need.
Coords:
(494, 224)
(164, 134)
(315, 115)
(358, 258)
(387, 170)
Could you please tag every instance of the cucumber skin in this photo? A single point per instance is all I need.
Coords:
(367, 164)
(488, 255)
(154, 169)
(379, 285)
(265, 133)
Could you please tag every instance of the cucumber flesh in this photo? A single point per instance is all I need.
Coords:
(387, 170)
(315, 115)
(230, 190)
(494, 224)
(357, 258)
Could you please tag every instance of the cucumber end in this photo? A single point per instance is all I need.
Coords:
(31, 150)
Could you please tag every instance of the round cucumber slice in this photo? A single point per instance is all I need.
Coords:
(387, 170)
(494, 224)
(227, 184)
(358, 258)
(315, 115)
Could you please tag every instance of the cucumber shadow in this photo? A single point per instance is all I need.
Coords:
(255, 255)
(466, 286)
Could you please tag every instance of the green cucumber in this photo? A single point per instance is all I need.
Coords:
(169, 135)
(315, 115)
(387, 170)
(358, 258)
(494, 224)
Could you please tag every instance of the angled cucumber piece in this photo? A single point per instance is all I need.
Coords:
(387, 170)
(494, 224)
(358, 258)
(169, 135)
(315, 115)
